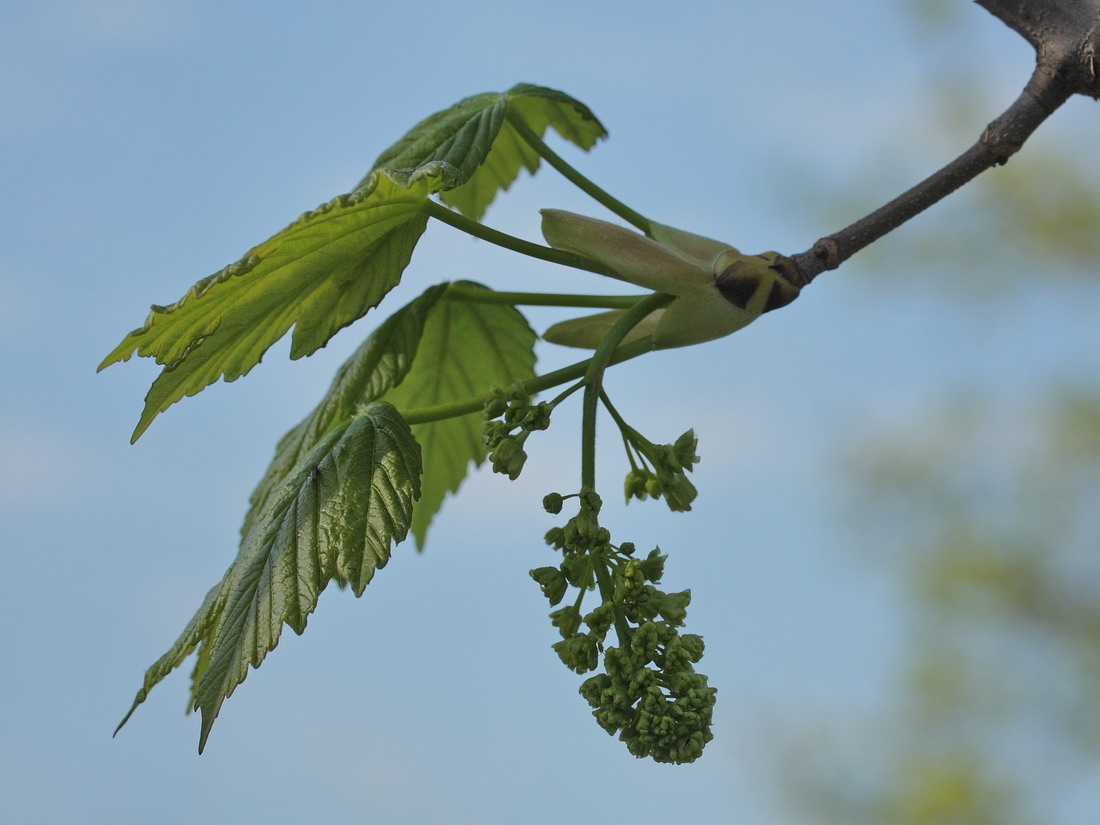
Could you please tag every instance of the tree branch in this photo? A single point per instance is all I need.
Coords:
(1066, 38)
(1064, 34)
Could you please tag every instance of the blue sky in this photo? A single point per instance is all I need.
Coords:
(148, 143)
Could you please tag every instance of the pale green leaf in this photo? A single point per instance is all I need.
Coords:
(466, 348)
(629, 255)
(587, 332)
(336, 516)
(480, 150)
(318, 275)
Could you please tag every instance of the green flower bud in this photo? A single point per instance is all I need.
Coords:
(552, 503)
(555, 537)
(509, 457)
(552, 581)
(653, 568)
(664, 458)
(517, 395)
(618, 664)
(591, 501)
(537, 417)
(644, 642)
(635, 484)
(641, 602)
(599, 621)
(674, 661)
(594, 689)
(692, 645)
(580, 653)
(679, 493)
(577, 569)
(673, 607)
(684, 449)
(567, 620)
(631, 577)
(492, 433)
(495, 404)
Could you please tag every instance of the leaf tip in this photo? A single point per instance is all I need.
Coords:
(148, 414)
(207, 724)
(137, 701)
(122, 352)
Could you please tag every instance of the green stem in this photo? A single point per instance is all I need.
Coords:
(607, 593)
(475, 295)
(593, 379)
(580, 600)
(623, 426)
(575, 177)
(535, 385)
(624, 430)
(511, 242)
(568, 392)
(629, 453)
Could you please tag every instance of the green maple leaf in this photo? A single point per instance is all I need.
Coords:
(434, 350)
(318, 275)
(334, 517)
(378, 365)
(466, 348)
(481, 150)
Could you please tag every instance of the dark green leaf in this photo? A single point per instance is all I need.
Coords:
(335, 517)
(319, 274)
(377, 366)
(481, 152)
(466, 348)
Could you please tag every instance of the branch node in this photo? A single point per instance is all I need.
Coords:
(827, 251)
(993, 139)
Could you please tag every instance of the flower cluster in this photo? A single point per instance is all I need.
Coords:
(661, 469)
(649, 693)
(518, 418)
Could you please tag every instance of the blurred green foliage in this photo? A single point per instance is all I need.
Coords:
(984, 509)
(990, 518)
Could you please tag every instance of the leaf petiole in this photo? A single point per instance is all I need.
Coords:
(575, 177)
(550, 299)
(535, 385)
(511, 242)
